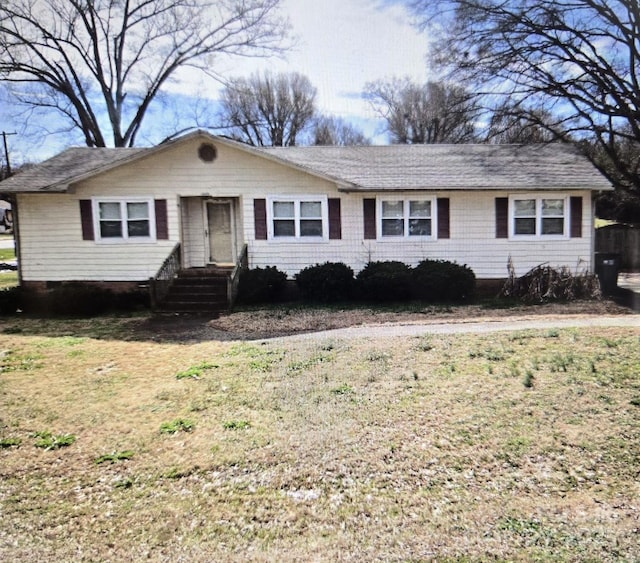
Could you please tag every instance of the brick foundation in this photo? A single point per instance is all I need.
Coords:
(114, 286)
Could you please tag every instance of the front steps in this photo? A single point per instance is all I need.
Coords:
(197, 290)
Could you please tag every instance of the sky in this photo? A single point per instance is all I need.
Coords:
(340, 46)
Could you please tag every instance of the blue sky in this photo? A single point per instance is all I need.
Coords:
(342, 45)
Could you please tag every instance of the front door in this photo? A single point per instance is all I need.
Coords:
(221, 232)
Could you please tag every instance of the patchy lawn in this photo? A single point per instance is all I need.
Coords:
(518, 446)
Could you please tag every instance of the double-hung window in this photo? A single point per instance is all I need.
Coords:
(120, 220)
(301, 217)
(539, 217)
(406, 218)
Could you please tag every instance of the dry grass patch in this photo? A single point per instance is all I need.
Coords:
(518, 446)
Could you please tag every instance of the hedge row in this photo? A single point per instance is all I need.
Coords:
(331, 282)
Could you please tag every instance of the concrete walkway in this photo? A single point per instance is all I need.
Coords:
(629, 290)
(466, 327)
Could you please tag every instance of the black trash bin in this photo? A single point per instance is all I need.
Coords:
(607, 268)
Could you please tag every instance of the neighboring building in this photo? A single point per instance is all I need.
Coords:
(114, 216)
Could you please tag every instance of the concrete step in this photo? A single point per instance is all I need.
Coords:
(198, 290)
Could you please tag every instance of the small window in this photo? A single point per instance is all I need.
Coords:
(298, 218)
(406, 218)
(539, 217)
(124, 220)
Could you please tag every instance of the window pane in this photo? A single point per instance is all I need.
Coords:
(311, 209)
(420, 209)
(138, 228)
(110, 229)
(310, 228)
(525, 208)
(392, 227)
(393, 209)
(525, 226)
(283, 209)
(109, 210)
(553, 207)
(138, 210)
(420, 227)
(553, 226)
(284, 228)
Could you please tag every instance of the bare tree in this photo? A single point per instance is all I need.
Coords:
(329, 130)
(578, 59)
(509, 124)
(101, 63)
(423, 113)
(268, 109)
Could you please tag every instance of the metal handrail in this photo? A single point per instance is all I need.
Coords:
(242, 263)
(160, 283)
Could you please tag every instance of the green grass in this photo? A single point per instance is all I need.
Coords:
(8, 279)
(396, 449)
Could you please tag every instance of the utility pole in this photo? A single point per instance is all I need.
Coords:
(6, 151)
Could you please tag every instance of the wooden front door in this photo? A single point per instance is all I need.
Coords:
(221, 229)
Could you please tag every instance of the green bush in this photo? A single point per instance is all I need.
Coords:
(384, 281)
(261, 285)
(326, 283)
(441, 280)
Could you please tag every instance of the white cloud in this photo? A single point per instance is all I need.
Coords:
(343, 44)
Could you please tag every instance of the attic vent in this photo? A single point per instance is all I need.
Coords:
(207, 152)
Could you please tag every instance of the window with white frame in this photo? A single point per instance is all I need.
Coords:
(539, 216)
(406, 218)
(301, 217)
(119, 220)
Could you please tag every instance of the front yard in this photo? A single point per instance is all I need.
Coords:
(126, 444)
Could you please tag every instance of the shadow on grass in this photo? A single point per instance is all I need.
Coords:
(259, 323)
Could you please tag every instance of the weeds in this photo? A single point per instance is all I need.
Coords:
(10, 442)
(48, 441)
(197, 371)
(114, 457)
(177, 425)
(344, 389)
(236, 425)
(528, 380)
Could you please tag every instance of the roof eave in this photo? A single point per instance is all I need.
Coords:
(354, 188)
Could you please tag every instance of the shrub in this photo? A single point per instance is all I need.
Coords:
(544, 283)
(326, 283)
(441, 280)
(384, 281)
(261, 285)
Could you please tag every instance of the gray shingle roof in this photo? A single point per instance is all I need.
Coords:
(444, 167)
(369, 168)
(55, 174)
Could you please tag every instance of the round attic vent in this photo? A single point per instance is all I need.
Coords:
(207, 152)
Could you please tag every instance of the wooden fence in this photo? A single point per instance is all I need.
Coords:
(622, 240)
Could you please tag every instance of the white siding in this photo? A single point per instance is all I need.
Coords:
(472, 241)
(53, 249)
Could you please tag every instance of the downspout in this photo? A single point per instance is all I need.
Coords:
(593, 232)
(13, 199)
